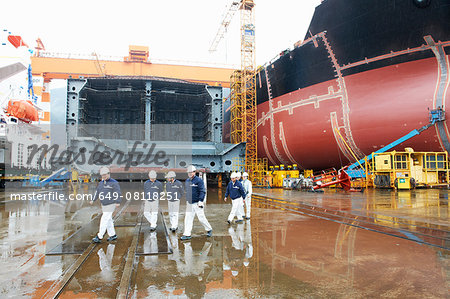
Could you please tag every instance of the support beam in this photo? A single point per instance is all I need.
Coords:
(148, 109)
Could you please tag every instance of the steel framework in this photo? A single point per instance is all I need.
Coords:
(243, 119)
(248, 67)
(237, 108)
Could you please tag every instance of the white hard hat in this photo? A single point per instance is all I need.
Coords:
(104, 170)
(238, 174)
(233, 175)
(234, 272)
(245, 174)
(152, 174)
(246, 263)
(191, 168)
(170, 174)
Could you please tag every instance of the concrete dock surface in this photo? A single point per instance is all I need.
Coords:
(295, 245)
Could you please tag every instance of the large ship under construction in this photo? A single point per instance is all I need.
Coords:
(101, 202)
(364, 75)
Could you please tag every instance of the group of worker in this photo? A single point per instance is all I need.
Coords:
(240, 192)
(109, 193)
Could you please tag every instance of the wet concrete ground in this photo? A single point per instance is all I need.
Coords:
(428, 206)
(326, 246)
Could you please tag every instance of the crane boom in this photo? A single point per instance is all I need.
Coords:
(226, 20)
(435, 116)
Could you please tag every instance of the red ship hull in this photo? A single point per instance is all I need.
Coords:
(315, 126)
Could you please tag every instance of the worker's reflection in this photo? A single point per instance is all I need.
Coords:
(192, 267)
(241, 250)
(150, 247)
(175, 256)
(237, 236)
(234, 255)
(226, 266)
(105, 261)
(194, 264)
(248, 245)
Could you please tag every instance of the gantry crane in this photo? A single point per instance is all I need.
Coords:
(49, 66)
(243, 86)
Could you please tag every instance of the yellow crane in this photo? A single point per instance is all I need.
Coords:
(243, 87)
(226, 20)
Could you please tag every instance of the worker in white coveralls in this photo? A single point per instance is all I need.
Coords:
(247, 184)
(238, 176)
(240, 210)
(202, 175)
(237, 195)
(153, 190)
(108, 191)
(195, 194)
(174, 192)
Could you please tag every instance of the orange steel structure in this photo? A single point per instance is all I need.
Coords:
(49, 66)
(237, 119)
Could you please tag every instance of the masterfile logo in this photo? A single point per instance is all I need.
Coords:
(98, 157)
(43, 149)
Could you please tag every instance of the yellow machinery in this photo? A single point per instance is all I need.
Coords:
(282, 173)
(409, 169)
(292, 171)
(307, 173)
(403, 183)
(268, 178)
(279, 173)
(74, 175)
(276, 177)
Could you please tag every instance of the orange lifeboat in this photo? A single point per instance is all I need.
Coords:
(23, 110)
(16, 41)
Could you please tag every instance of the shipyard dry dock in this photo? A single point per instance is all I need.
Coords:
(296, 244)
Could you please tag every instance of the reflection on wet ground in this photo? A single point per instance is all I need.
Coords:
(291, 247)
(419, 215)
(420, 205)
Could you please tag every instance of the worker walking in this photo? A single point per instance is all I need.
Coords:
(202, 175)
(108, 191)
(237, 195)
(247, 184)
(195, 194)
(174, 192)
(240, 210)
(152, 192)
(238, 176)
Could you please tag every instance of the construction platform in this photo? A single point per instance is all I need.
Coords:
(296, 244)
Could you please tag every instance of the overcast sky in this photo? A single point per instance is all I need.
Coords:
(175, 30)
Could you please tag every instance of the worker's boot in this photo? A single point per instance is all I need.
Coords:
(112, 238)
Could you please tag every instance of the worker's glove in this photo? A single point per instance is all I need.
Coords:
(200, 204)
